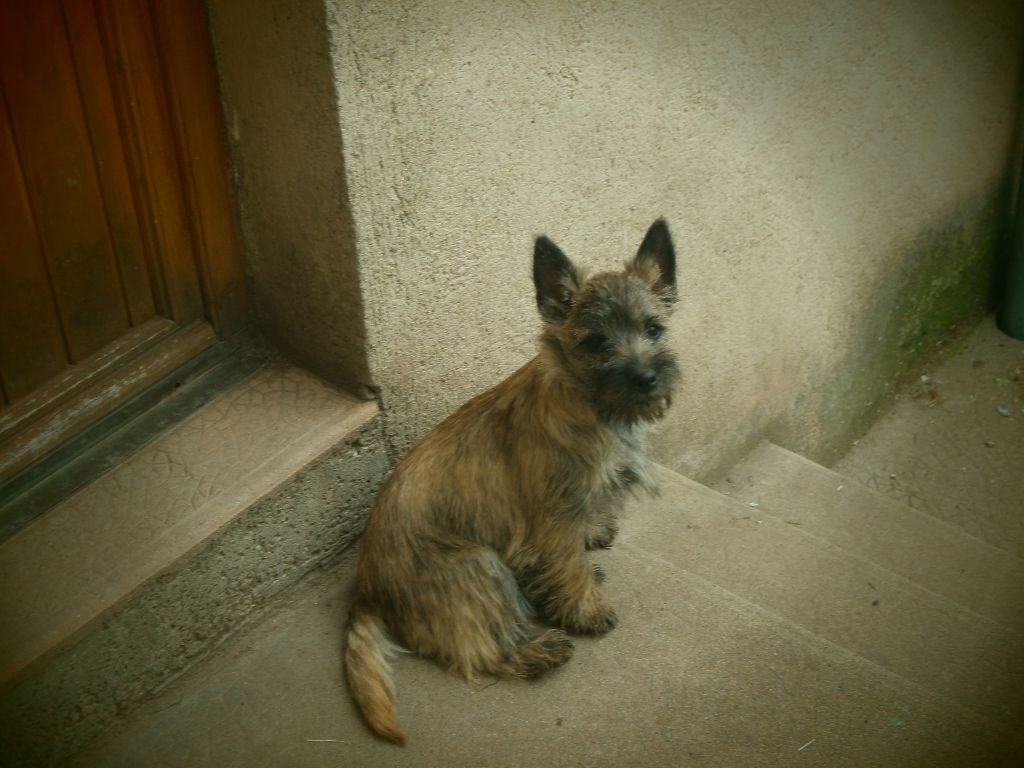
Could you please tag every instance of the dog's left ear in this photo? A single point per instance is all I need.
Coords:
(655, 261)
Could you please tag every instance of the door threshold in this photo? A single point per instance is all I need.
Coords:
(110, 440)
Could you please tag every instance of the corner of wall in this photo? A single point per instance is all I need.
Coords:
(285, 142)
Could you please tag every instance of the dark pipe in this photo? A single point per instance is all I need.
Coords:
(1010, 317)
(1011, 313)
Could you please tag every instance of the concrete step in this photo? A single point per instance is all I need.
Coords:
(947, 449)
(938, 556)
(695, 674)
(845, 599)
(118, 588)
(692, 674)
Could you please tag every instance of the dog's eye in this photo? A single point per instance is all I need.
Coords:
(595, 343)
(654, 331)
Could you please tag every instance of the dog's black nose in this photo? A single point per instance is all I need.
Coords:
(646, 379)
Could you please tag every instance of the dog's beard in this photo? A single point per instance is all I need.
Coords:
(618, 400)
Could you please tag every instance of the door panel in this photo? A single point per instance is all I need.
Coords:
(118, 242)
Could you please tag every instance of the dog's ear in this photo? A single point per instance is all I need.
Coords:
(655, 261)
(556, 279)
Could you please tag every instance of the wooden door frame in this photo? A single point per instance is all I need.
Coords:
(189, 83)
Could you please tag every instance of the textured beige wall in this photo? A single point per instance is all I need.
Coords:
(800, 151)
(820, 163)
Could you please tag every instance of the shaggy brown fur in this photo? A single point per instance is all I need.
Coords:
(483, 525)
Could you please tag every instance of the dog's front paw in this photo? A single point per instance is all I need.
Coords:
(597, 622)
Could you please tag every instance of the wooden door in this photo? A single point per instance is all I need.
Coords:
(119, 255)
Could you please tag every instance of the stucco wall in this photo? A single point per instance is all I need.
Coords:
(804, 153)
(830, 171)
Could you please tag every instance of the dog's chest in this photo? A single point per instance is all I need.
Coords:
(627, 463)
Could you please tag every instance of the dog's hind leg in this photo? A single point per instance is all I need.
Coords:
(565, 587)
(467, 612)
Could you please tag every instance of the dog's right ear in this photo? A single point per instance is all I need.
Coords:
(555, 279)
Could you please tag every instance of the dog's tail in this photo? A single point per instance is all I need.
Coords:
(369, 674)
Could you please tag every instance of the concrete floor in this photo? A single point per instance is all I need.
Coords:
(744, 639)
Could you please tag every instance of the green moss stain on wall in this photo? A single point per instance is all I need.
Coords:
(943, 285)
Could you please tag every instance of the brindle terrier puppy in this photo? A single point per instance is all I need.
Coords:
(483, 525)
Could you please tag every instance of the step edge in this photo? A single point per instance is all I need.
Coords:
(966, 608)
(808, 635)
(948, 603)
(885, 501)
(1008, 567)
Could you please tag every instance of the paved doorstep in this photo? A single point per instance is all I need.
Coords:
(692, 676)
